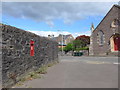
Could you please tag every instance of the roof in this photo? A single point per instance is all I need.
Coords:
(118, 6)
(64, 36)
(54, 38)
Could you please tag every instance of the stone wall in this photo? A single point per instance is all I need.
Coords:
(0, 58)
(16, 59)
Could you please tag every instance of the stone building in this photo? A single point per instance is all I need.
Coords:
(105, 38)
(66, 39)
(62, 40)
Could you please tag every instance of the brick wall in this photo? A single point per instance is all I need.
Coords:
(16, 57)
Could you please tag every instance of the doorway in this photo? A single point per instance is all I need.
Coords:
(116, 43)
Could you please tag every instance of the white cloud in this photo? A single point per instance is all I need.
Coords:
(62, 1)
(46, 33)
(88, 33)
(49, 11)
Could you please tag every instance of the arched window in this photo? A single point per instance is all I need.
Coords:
(101, 37)
(115, 23)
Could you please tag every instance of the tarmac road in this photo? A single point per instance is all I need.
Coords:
(79, 72)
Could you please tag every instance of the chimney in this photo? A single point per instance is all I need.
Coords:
(49, 36)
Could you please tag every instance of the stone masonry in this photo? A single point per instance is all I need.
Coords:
(16, 59)
(105, 27)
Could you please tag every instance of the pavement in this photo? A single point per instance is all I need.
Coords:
(79, 72)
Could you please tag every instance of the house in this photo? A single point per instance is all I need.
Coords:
(105, 38)
(63, 40)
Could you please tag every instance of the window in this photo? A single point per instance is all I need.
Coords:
(101, 37)
(115, 23)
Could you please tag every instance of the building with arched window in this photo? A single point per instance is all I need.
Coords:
(100, 38)
(105, 38)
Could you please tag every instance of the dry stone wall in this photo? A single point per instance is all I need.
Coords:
(16, 59)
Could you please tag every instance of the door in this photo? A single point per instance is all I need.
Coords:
(117, 43)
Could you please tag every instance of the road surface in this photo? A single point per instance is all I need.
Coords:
(79, 72)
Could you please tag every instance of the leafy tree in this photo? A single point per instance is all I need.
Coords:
(76, 44)
(68, 48)
(84, 38)
(81, 41)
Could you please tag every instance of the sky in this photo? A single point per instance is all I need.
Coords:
(47, 18)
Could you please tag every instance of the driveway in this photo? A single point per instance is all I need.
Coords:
(79, 72)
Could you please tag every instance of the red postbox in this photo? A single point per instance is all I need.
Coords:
(31, 48)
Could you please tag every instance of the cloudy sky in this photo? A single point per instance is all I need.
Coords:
(45, 18)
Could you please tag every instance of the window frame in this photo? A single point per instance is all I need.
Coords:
(101, 37)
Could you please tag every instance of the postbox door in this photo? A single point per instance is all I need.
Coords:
(31, 48)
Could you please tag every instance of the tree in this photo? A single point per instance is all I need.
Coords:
(85, 40)
(68, 48)
(81, 42)
(76, 44)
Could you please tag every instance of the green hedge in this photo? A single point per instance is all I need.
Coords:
(84, 48)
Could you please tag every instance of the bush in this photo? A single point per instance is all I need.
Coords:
(84, 48)
(68, 48)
